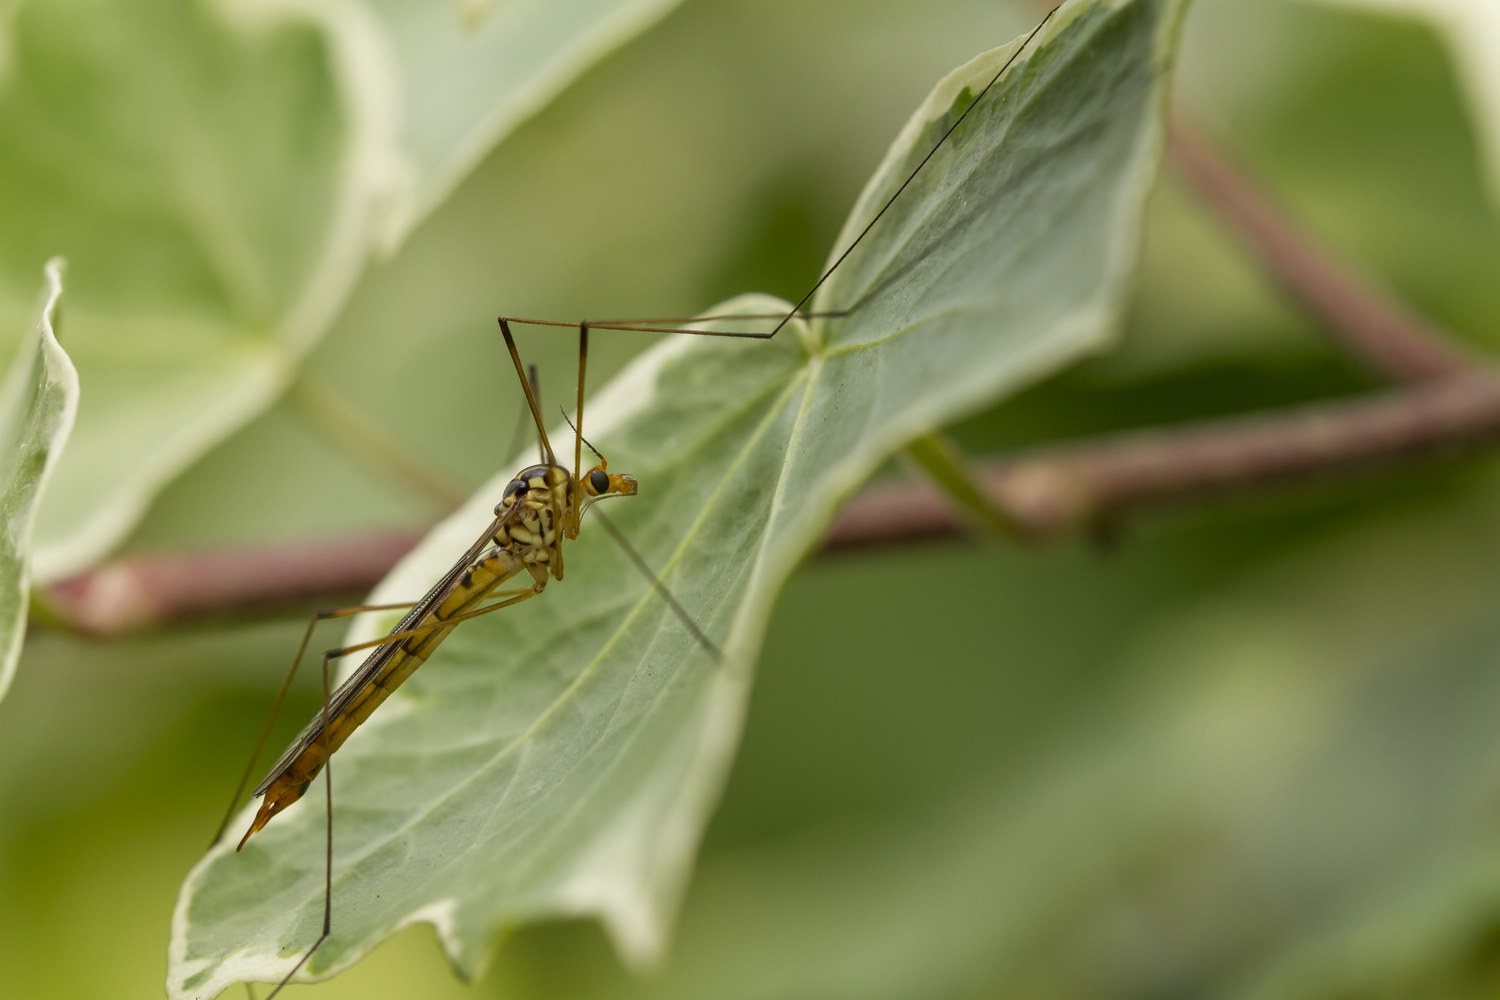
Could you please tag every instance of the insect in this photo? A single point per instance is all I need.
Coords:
(539, 511)
(541, 508)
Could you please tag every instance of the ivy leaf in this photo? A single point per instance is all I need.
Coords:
(1471, 30)
(466, 80)
(38, 401)
(563, 756)
(217, 174)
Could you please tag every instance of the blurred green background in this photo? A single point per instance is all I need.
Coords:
(1243, 751)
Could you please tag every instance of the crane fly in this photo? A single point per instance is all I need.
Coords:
(540, 510)
(542, 507)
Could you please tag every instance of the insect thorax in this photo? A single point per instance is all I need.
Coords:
(531, 532)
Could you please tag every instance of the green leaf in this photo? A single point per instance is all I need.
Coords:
(465, 82)
(203, 181)
(1471, 31)
(1288, 726)
(563, 756)
(217, 174)
(37, 404)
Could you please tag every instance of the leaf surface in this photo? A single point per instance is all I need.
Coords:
(217, 173)
(563, 756)
(466, 78)
(38, 402)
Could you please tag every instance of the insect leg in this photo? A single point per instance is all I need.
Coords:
(513, 596)
(325, 614)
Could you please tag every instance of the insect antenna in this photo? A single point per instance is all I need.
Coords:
(597, 454)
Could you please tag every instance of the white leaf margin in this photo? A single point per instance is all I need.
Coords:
(41, 360)
(368, 170)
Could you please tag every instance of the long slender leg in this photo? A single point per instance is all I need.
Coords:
(633, 321)
(327, 845)
(583, 361)
(655, 325)
(521, 593)
(661, 588)
(390, 640)
(531, 400)
(518, 595)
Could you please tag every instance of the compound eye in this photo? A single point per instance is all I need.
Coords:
(515, 489)
(599, 482)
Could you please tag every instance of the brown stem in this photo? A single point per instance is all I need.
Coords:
(1451, 404)
(1368, 322)
(1081, 487)
(1055, 492)
(141, 591)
